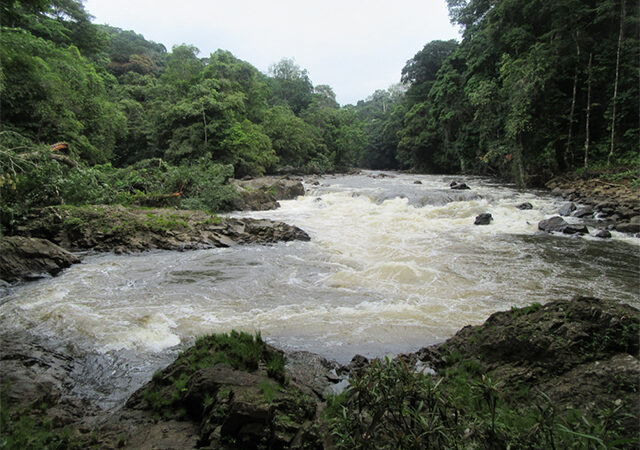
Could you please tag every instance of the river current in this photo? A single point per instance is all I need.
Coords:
(392, 266)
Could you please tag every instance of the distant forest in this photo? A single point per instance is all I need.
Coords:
(534, 88)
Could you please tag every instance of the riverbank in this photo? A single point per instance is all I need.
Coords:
(616, 203)
(549, 365)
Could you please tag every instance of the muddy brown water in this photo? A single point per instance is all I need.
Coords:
(392, 266)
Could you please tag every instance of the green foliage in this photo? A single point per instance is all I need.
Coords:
(390, 406)
(30, 428)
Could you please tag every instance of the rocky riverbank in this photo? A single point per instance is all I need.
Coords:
(615, 204)
(48, 235)
(238, 392)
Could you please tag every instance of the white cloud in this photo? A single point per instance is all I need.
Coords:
(356, 46)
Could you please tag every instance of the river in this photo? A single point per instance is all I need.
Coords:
(392, 266)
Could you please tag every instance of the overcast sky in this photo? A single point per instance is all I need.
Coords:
(355, 46)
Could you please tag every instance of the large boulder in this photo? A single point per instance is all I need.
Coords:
(24, 258)
(259, 194)
(236, 388)
(582, 353)
(558, 224)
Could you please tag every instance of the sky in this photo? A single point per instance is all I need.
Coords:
(354, 46)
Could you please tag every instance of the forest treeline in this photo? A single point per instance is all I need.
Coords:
(534, 88)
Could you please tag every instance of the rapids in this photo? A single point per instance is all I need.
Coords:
(392, 266)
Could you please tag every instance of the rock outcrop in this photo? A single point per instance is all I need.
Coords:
(582, 353)
(25, 258)
(259, 194)
(120, 229)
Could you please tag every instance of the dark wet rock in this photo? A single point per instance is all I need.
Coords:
(583, 353)
(124, 230)
(234, 407)
(567, 209)
(259, 194)
(356, 365)
(583, 212)
(628, 227)
(417, 182)
(558, 224)
(459, 186)
(524, 206)
(603, 234)
(26, 258)
(312, 372)
(483, 219)
(575, 229)
(555, 223)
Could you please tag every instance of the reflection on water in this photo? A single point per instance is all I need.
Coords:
(392, 266)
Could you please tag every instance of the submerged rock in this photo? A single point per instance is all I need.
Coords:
(459, 186)
(524, 206)
(483, 219)
(26, 258)
(603, 234)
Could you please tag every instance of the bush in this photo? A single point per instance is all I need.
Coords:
(390, 406)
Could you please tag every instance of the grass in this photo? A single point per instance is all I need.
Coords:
(240, 350)
(30, 428)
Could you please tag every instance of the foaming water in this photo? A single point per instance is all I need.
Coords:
(392, 266)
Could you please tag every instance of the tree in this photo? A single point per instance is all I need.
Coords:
(290, 85)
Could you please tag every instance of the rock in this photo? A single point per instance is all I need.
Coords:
(603, 234)
(245, 406)
(575, 229)
(567, 209)
(555, 223)
(312, 371)
(417, 182)
(634, 219)
(116, 228)
(357, 364)
(583, 353)
(583, 212)
(628, 227)
(558, 224)
(259, 194)
(524, 206)
(483, 219)
(25, 258)
(458, 186)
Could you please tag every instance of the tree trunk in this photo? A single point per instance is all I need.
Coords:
(587, 138)
(573, 108)
(615, 85)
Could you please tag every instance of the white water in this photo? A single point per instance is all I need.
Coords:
(392, 266)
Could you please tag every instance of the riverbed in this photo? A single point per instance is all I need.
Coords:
(393, 265)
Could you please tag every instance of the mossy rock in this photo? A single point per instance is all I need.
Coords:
(235, 386)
